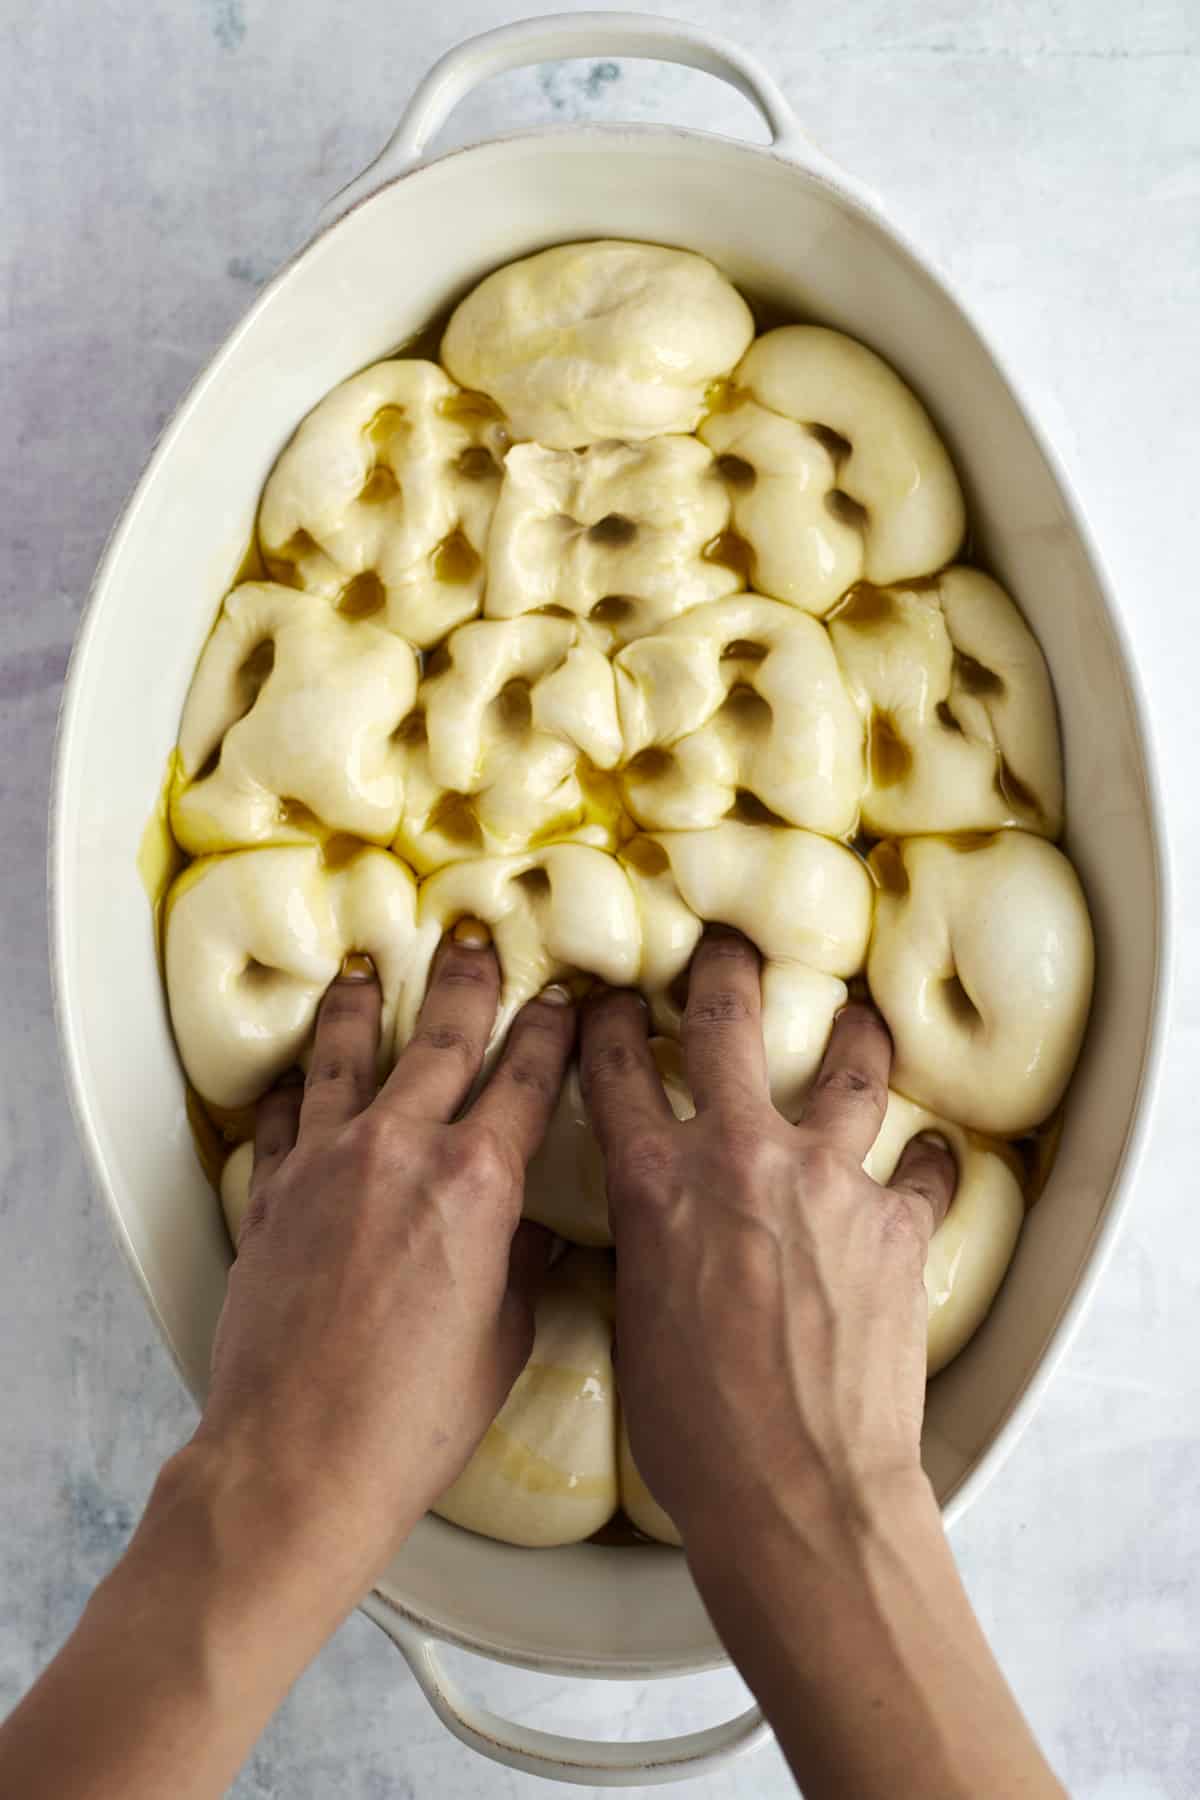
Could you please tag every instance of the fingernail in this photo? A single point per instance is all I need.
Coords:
(356, 966)
(556, 995)
(472, 934)
(936, 1140)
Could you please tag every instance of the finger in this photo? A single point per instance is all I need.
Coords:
(276, 1123)
(622, 1088)
(341, 1071)
(525, 1084)
(434, 1073)
(724, 1057)
(927, 1174)
(849, 1096)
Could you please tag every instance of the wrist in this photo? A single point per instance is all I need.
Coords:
(814, 1522)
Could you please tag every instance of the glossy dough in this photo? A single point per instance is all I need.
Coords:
(957, 702)
(514, 724)
(981, 963)
(839, 472)
(625, 624)
(252, 940)
(974, 1244)
(600, 340)
(738, 701)
(300, 707)
(546, 1471)
(382, 501)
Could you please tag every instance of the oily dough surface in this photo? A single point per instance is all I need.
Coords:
(616, 621)
(601, 340)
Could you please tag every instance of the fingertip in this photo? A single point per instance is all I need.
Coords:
(471, 934)
(357, 966)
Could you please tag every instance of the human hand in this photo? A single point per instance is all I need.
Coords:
(771, 1316)
(381, 1303)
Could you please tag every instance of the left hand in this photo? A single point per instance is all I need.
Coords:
(381, 1303)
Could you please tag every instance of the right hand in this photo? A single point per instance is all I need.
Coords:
(771, 1314)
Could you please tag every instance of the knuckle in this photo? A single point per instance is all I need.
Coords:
(534, 1077)
(608, 1061)
(332, 1067)
(645, 1155)
(850, 1084)
(446, 1040)
(724, 1007)
(485, 1159)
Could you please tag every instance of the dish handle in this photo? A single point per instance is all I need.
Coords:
(578, 1761)
(552, 39)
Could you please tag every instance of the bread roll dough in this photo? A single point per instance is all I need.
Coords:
(599, 340)
(252, 941)
(804, 901)
(960, 717)
(626, 535)
(546, 1471)
(981, 963)
(382, 501)
(973, 1246)
(860, 487)
(235, 1188)
(300, 706)
(515, 722)
(551, 913)
(738, 702)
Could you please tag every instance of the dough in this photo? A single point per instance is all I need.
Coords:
(515, 723)
(958, 706)
(546, 1471)
(299, 707)
(804, 901)
(834, 468)
(739, 706)
(626, 535)
(382, 501)
(981, 963)
(974, 1244)
(252, 941)
(599, 340)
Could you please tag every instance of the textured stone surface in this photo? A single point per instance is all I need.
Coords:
(160, 160)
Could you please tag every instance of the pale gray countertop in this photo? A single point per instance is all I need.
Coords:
(160, 160)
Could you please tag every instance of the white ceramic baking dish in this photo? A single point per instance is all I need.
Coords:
(404, 239)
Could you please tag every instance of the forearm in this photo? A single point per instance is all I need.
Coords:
(859, 1642)
(185, 1650)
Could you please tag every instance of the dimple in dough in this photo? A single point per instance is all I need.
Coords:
(625, 535)
(834, 468)
(551, 913)
(301, 708)
(382, 501)
(981, 962)
(739, 703)
(805, 901)
(959, 711)
(972, 1247)
(607, 339)
(514, 728)
(546, 1470)
(251, 942)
